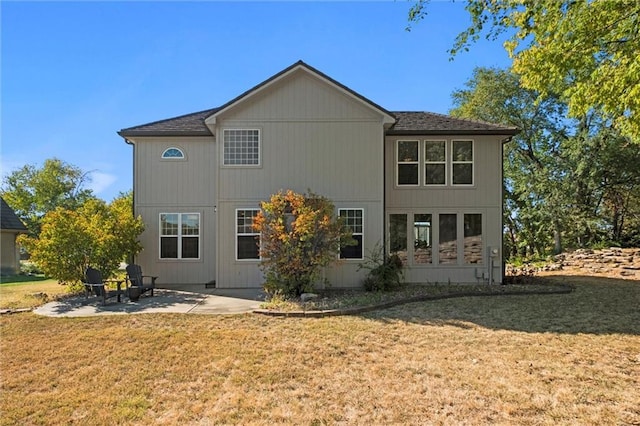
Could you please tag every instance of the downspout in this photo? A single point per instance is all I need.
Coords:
(133, 192)
(384, 192)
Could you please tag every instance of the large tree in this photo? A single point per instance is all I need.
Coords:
(571, 180)
(33, 192)
(586, 51)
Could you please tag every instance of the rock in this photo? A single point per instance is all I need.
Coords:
(305, 297)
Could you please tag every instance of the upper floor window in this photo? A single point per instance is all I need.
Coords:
(173, 153)
(179, 235)
(435, 159)
(241, 147)
(462, 163)
(353, 219)
(408, 163)
(439, 162)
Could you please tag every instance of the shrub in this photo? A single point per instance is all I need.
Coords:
(300, 235)
(385, 271)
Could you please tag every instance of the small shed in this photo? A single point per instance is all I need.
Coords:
(10, 226)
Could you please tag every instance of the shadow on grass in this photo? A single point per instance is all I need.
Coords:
(596, 306)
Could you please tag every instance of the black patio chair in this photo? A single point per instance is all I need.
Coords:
(143, 282)
(95, 285)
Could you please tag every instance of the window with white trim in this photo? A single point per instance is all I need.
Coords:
(354, 219)
(448, 239)
(241, 147)
(179, 235)
(247, 239)
(435, 162)
(407, 166)
(173, 153)
(462, 162)
(422, 238)
(473, 238)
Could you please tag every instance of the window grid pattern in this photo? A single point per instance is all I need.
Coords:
(241, 147)
(173, 153)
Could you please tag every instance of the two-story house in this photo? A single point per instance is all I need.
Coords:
(427, 186)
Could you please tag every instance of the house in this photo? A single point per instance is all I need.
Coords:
(426, 185)
(10, 227)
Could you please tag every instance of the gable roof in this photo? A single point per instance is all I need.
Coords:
(300, 65)
(406, 122)
(8, 219)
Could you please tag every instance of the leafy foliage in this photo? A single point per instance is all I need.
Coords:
(95, 234)
(584, 51)
(567, 181)
(33, 192)
(299, 236)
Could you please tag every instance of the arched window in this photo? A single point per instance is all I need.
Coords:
(173, 153)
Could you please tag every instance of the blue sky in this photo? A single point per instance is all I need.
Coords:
(74, 73)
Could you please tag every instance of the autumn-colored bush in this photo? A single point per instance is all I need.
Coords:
(300, 234)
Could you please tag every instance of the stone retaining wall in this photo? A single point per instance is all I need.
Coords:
(613, 261)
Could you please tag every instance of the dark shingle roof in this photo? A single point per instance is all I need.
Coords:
(184, 125)
(408, 123)
(418, 122)
(8, 218)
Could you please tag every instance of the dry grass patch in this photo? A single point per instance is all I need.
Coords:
(547, 359)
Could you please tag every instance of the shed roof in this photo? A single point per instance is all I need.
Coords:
(420, 122)
(8, 219)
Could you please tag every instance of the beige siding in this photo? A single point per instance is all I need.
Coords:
(486, 191)
(483, 197)
(175, 182)
(301, 97)
(314, 137)
(9, 254)
(176, 186)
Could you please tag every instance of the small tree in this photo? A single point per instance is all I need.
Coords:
(300, 235)
(96, 234)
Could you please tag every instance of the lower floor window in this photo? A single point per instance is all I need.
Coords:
(353, 219)
(398, 236)
(473, 238)
(448, 240)
(247, 239)
(459, 238)
(179, 235)
(422, 250)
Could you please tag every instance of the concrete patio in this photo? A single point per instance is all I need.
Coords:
(184, 299)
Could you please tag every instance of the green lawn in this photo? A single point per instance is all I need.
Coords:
(531, 360)
(22, 291)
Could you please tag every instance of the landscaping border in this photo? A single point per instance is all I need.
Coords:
(557, 289)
